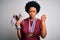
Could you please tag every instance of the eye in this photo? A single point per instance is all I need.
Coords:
(33, 11)
(30, 11)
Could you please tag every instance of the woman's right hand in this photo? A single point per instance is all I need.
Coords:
(18, 23)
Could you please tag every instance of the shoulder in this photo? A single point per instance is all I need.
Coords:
(38, 19)
(24, 21)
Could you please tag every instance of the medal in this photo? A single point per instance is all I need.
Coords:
(30, 35)
(31, 28)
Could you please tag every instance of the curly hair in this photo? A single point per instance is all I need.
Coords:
(32, 4)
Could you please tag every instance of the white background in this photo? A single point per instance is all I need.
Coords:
(9, 7)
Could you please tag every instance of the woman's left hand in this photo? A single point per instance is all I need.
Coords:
(44, 31)
(43, 17)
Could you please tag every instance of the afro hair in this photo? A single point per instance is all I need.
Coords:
(32, 4)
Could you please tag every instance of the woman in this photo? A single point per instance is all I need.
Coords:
(31, 28)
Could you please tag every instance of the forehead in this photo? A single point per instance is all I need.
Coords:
(32, 8)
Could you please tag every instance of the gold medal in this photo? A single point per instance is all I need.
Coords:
(30, 35)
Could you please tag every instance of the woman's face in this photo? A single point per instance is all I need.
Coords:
(32, 12)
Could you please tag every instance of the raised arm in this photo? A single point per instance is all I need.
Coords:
(43, 31)
(18, 29)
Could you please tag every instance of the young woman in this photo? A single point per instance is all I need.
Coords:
(31, 28)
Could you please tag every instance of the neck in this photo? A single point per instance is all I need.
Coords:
(31, 19)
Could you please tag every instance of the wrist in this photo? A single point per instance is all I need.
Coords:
(18, 27)
(43, 22)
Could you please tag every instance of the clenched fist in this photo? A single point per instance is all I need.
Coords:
(18, 23)
(18, 19)
(43, 17)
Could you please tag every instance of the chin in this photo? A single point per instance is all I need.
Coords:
(32, 17)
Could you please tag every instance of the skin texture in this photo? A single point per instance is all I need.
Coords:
(44, 31)
(32, 13)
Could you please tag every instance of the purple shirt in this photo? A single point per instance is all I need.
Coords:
(25, 29)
